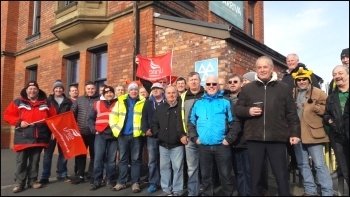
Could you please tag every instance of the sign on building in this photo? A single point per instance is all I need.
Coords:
(206, 67)
(232, 11)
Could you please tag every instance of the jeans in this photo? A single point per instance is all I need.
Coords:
(153, 160)
(192, 159)
(222, 155)
(105, 157)
(241, 167)
(27, 165)
(47, 161)
(171, 165)
(302, 152)
(130, 146)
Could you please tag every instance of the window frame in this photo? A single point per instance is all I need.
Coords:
(32, 71)
(72, 60)
(96, 52)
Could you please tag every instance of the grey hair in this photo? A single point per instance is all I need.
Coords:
(268, 59)
(293, 54)
(346, 68)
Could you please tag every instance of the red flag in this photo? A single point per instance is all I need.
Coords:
(66, 131)
(154, 68)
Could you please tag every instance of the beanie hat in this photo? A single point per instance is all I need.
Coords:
(32, 83)
(250, 76)
(132, 86)
(157, 85)
(58, 83)
(344, 53)
(108, 89)
(302, 73)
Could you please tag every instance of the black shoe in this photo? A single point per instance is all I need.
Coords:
(77, 180)
(64, 179)
(110, 184)
(44, 181)
(94, 186)
(292, 166)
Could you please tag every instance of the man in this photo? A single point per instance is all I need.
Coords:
(62, 104)
(81, 109)
(267, 128)
(102, 87)
(166, 127)
(313, 135)
(207, 127)
(194, 92)
(222, 83)
(164, 82)
(156, 99)
(144, 93)
(28, 114)
(293, 64)
(248, 77)
(119, 90)
(125, 121)
(180, 85)
(105, 144)
(333, 117)
(73, 92)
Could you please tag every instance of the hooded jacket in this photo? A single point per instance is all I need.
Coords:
(23, 109)
(279, 120)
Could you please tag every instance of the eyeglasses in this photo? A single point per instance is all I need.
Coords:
(302, 79)
(231, 82)
(211, 84)
(161, 81)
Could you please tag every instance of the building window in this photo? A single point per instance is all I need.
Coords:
(32, 72)
(68, 2)
(72, 68)
(251, 5)
(36, 17)
(99, 64)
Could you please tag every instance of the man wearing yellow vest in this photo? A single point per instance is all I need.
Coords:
(125, 122)
(188, 98)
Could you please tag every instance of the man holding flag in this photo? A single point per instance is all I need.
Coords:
(28, 114)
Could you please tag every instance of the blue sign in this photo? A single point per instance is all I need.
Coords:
(207, 67)
(232, 11)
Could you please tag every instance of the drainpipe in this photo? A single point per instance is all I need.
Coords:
(136, 37)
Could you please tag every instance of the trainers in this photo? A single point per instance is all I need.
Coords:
(35, 185)
(135, 188)
(165, 194)
(110, 184)
(64, 179)
(152, 188)
(44, 181)
(177, 194)
(77, 180)
(119, 186)
(18, 188)
(94, 186)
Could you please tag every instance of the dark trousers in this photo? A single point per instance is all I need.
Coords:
(276, 153)
(340, 146)
(241, 167)
(80, 160)
(222, 156)
(27, 165)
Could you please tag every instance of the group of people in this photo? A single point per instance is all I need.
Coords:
(196, 136)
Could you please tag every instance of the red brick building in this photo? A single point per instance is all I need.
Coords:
(79, 41)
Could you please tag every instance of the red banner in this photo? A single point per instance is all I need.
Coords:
(154, 68)
(65, 129)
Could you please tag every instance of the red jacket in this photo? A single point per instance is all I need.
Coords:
(23, 109)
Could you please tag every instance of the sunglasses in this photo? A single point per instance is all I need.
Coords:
(302, 79)
(211, 84)
(231, 82)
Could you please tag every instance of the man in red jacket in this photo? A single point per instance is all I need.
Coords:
(28, 114)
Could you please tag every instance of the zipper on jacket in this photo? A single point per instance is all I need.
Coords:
(265, 85)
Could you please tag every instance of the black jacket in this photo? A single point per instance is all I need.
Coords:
(333, 111)
(279, 120)
(147, 113)
(81, 109)
(166, 125)
(65, 105)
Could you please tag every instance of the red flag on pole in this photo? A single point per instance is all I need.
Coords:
(154, 68)
(65, 129)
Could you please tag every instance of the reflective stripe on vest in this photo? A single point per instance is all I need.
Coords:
(102, 116)
(183, 95)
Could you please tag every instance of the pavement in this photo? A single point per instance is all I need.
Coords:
(55, 188)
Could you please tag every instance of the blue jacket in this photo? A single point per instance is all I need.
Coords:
(210, 120)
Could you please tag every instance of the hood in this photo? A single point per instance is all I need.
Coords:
(41, 96)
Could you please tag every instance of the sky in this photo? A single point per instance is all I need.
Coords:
(316, 31)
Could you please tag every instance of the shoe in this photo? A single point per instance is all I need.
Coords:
(152, 188)
(145, 180)
(18, 188)
(35, 185)
(78, 180)
(94, 186)
(165, 194)
(44, 181)
(135, 188)
(305, 194)
(177, 194)
(64, 179)
(118, 187)
(110, 184)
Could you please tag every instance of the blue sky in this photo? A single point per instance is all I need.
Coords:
(316, 31)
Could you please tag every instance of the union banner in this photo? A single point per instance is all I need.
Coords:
(65, 129)
(154, 68)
